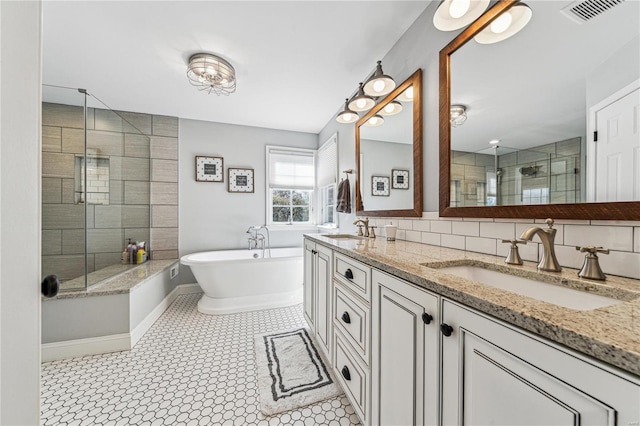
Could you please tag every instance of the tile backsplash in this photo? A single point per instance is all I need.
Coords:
(622, 238)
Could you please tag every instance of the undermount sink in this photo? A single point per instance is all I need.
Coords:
(551, 293)
(343, 236)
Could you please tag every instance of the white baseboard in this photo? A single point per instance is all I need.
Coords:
(115, 342)
(81, 347)
(193, 288)
(149, 320)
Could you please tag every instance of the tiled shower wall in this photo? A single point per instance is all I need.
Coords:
(485, 236)
(557, 179)
(143, 188)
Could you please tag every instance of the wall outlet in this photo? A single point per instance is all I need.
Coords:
(174, 271)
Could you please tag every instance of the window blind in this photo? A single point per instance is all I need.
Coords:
(327, 168)
(291, 169)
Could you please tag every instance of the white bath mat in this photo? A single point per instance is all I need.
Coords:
(291, 372)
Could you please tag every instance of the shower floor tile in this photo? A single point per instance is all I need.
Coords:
(188, 369)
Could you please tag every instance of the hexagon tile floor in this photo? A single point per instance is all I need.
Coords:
(188, 369)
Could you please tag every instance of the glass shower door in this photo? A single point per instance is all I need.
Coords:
(95, 187)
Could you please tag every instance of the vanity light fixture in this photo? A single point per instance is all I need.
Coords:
(509, 23)
(392, 108)
(379, 84)
(211, 73)
(375, 121)
(347, 116)
(406, 96)
(454, 14)
(458, 115)
(361, 101)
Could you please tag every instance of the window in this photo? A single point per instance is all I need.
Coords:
(327, 172)
(290, 172)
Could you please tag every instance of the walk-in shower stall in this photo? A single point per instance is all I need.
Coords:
(95, 186)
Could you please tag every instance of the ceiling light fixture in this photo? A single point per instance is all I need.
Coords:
(494, 142)
(509, 23)
(361, 101)
(375, 121)
(392, 108)
(458, 115)
(454, 14)
(379, 84)
(347, 116)
(210, 73)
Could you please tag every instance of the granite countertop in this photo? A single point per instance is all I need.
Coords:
(120, 283)
(610, 334)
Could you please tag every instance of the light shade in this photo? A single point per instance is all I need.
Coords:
(458, 115)
(508, 23)
(347, 116)
(406, 96)
(392, 108)
(375, 121)
(361, 102)
(379, 84)
(210, 73)
(454, 14)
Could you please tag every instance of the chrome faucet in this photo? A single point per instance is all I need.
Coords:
(257, 240)
(548, 262)
(362, 222)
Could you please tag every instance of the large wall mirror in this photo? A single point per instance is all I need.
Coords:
(389, 154)
(539, 96)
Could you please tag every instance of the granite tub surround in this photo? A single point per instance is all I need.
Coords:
(610, 334)
(122, 283)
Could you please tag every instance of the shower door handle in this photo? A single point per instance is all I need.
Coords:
(50, 286)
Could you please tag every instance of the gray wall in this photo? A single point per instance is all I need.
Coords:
(417, 48)
(379, 158)
(621, 69)
(212, 218)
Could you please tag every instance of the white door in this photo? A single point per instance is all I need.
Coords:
(20, 107)
(618, 150)
(405, 352)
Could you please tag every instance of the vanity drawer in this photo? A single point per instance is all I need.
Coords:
(353, 376)
(353, 318)
(355, 275)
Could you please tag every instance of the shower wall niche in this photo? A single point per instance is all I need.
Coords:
(84, 230)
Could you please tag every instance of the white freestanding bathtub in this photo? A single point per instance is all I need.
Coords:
(242, 280)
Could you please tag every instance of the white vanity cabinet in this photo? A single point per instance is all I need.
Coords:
(404, 366)
(495, 374)
(407, 356)
(352, 332)
(318, 264)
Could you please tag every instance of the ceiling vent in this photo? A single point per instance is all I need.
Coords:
(583, 11)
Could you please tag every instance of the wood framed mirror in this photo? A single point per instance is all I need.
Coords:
(566, 185)
(389, 156)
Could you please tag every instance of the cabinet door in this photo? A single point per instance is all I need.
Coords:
(404, 353)
(493, 374)
(323, 295)
(309, 283)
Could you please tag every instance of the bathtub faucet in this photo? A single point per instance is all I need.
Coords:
(257, 240)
